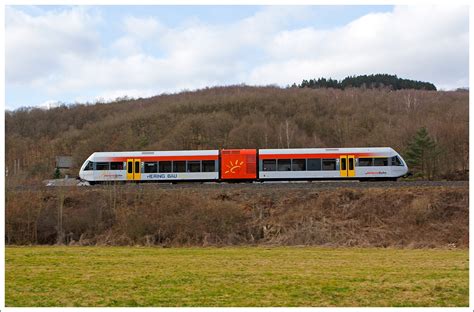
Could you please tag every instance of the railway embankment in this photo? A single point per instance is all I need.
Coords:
(399, 215)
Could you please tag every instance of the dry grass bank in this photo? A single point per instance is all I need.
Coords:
(146, 215)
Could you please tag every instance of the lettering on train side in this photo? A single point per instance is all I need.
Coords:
(156, 176)
(162, 176)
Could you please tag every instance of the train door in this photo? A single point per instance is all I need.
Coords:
(129, 169)
(343, 165)
(350, 166)
(133, 169)
(346, 166)
(136, 170)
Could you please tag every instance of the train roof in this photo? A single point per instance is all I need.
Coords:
(157, 153)
(377, 150)
(348, 150)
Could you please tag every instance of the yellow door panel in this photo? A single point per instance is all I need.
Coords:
(350, 166)
(129, 169)
(343, 166)
(136, 170)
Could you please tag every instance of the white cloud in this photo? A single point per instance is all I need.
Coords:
(142, 28)
(36, 45)
(62, 51)
(126, 45)
(427, 43)
(136, 32)
(193, 56)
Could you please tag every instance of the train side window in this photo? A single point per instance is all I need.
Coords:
(208, 166)
(165, 166)
(89, 166)
(102, 166)
(129, 167)
(150, 167)
(298, 164)
(194, 166)
(314, 164)
(329, 164)
(116, 165)
(284, 164)
(269, 164)
(381, 161)
(137, 167)
(351, 163)
(396, 161)
(365, 162)
(179, 166)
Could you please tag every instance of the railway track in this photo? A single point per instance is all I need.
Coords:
(303, 185)
(265, 185)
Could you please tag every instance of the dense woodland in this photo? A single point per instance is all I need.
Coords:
(241, 117)
(378, 81)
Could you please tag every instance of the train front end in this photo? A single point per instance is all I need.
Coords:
(86, 172)
(399, 166)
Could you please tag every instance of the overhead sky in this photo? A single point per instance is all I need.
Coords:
(88, 53)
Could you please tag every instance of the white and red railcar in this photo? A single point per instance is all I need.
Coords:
(381, 163)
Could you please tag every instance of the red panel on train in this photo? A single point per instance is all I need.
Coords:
(238, 164)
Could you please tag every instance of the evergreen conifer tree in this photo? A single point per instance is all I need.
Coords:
(57, 174)
(421, 154)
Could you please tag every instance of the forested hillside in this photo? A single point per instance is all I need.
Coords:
(241, 117)
(378, 81)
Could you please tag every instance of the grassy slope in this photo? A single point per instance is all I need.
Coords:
(117, 276)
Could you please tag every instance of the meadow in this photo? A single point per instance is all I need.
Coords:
(235, 276)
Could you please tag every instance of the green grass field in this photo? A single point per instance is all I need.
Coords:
(250, 276)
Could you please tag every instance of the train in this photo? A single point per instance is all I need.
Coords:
(245, 165)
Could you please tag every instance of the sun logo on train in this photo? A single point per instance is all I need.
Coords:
(233, 166)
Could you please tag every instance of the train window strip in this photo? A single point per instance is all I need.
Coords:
(284, 164)
(194, 166)
(313, 164)
(116, 165)
(179, 166)
(373, 162)
(310, 164)
(381, 162)
(208, 166)
(298, 165)
(365, 162)
(89, 166)
(100, 166)
(396, 161)
(164, 166)
(329, 164)
(150, 167)
(269, 165)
